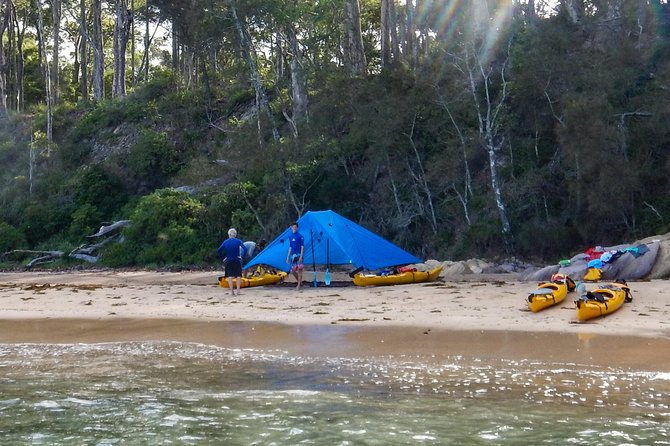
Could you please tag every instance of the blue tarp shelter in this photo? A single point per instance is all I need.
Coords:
(334, 240)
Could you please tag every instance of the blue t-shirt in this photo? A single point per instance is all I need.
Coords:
(231, 249)
(296, 242)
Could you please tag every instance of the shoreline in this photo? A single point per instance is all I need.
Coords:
(348, 341)
(479, 318)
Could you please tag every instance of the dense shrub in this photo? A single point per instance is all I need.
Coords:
(42, 221)
(85, 220)
(96, 187)
(10, 238)
(153, 157)
(165, 229)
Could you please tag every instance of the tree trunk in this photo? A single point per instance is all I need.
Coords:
(393, 29)
(409, 49)
(83, 51)
(385, 35)
(47, 76)
(133, 77)
(574, 9)
(642, 19)
(389, 42)
(3, 72)
(98, 55)
(492, 149)
(354, 52)
(121, 36)
(467, 183)
(299, 96)
(248, 53)
(145, 58)
(175, 46)
(489, 108)
(530, 12)
(421, 179)
(12, 68)
(55, 63)
(19, 64)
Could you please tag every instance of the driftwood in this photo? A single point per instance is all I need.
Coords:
(109, 228)
(86, 252)
(44, 256)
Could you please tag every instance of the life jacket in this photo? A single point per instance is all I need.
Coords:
(593, 274)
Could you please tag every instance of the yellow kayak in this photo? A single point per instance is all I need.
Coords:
(397, 279)
(550, 293)
(263, 279)
(604, 300)
(546, 295)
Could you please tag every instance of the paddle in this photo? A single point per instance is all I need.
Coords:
(327, 277)
(311, 235)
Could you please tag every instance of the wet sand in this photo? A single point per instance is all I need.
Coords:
(627, 352)
(485, 318)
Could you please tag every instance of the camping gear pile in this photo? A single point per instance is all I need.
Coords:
(628, 262)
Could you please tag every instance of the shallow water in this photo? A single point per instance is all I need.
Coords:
(186, 393)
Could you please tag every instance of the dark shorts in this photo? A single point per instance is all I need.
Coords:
(233, 268)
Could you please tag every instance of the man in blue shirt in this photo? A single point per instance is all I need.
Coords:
(296, 248)
(231, 251)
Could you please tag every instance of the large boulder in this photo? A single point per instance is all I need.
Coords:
(652, 264)
(661, 268)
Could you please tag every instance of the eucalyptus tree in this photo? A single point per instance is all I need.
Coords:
(121, 36)
(83, 52)
(41, 42)
(352, 45)
(55, 58)
(3, 77)
(473, 87)
(98, 52)
(16, 17)
(389, 32)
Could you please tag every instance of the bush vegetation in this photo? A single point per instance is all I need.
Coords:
(575, 155)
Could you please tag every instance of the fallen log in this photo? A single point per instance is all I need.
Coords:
(44, 256)
(105, 229)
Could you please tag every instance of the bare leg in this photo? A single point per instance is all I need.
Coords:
(230, 286)
(299, 278)
(239, 284)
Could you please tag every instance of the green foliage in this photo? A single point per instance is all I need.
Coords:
(85, 220)
(401, 149)
(484, 236)
(10, 238)
(153, 158)
(97, 188)
(165, 229)
(108, 114)
(41, 221)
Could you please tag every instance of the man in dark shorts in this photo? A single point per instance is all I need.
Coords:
(296, 248)
(231, 251)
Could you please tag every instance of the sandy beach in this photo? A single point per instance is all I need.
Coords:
(472, 316)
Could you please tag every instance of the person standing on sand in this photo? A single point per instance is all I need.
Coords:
(296, 248)
(231, 251)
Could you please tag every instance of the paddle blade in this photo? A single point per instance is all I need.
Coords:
(327, 278)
